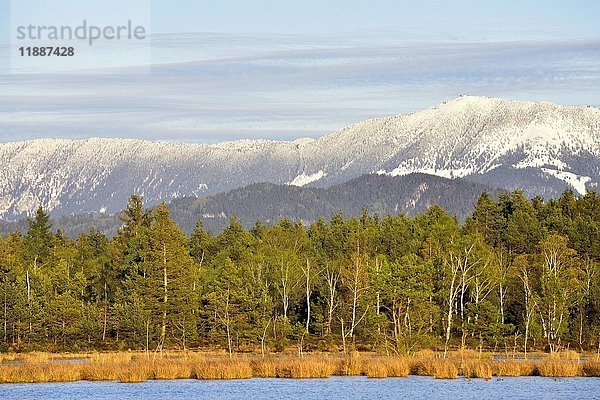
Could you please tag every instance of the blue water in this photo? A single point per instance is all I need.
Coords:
(414, 387)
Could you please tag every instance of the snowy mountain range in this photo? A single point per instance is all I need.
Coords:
(539, 147)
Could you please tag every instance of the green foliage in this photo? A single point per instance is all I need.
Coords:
(39, 237)
(518, 272)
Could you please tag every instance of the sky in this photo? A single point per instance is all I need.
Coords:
(467, 19)
(211, 71)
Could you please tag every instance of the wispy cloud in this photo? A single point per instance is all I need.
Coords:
(219, 87)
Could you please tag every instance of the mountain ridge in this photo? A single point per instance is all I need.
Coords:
(268, 203)
(538, 146)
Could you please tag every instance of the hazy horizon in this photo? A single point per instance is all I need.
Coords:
(292, 136)
(223, 71)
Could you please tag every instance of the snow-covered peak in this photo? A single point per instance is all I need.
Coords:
(538, 146)
(474, 135)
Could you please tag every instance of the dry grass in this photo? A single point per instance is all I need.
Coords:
(591, 368)
(167, 369)
(377, 370)
(444, 369)
(352, 365)
(59, 373)
(437, 367)
(307, 368)
(566, 355)
(464, 354)
(288, 367)
(397, 366)
(113, 358)
(477, 369)
(383, 367)
(7, 357)
(223, 369)
(34, 356)
(514, 368)
(139, 366)
(264, 368)
(41, 356)
(134, 372)
(422, 366)
(559, 368)
(101, 371)
(38, 372)
(425, 353)
(325, 366)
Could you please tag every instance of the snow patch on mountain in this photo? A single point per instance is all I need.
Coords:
(411, 203)
(303, 179)
(576, 181)
(479, 138)
(430, 170)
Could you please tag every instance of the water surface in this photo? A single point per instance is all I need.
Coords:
(413, 387)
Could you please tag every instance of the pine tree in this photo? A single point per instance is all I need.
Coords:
(170, 296)
(486, 219)
(127, 265)
(39, 238)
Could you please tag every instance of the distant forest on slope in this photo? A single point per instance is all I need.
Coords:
(517, 273)
(267, 202)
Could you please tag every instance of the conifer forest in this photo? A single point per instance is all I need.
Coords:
(517, 274)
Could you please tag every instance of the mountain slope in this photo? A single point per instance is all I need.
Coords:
(379, 194)
(538, 146)
(474, 136)
(268, 202)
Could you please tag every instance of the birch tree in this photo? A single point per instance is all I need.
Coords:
(558, 282)
(529, 306)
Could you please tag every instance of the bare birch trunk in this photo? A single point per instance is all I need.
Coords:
(332, 280)
(308, 290)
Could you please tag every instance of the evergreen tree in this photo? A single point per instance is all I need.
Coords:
(39, 238)
(519, 272)
(170, 275)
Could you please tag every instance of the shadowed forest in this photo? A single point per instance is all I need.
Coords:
(519, 274)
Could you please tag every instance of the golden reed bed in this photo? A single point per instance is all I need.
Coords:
(138, 367)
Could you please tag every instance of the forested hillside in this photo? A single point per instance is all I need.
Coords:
(380, 194)
(518, 274)
(269, 203)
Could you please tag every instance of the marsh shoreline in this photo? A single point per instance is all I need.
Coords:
(141, 366)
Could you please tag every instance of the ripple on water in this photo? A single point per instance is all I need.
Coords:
(413, 387)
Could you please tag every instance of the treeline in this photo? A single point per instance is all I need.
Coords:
(518, 274)
(270, 202)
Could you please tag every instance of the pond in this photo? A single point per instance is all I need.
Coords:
(413, 387)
